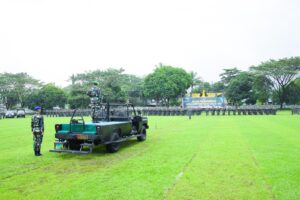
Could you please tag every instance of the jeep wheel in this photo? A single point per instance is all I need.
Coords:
(114, 146)
(74, 145)
(143, 135)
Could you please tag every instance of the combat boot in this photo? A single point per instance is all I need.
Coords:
(39, 153)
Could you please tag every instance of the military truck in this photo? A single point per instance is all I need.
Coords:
(111, 124)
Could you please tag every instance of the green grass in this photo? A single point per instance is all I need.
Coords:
(208, 157)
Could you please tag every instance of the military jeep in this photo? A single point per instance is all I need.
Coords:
(111, 124)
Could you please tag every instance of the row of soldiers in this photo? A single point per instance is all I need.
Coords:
(162, 111)
(208, 111)
(296, 111)
(67, 112)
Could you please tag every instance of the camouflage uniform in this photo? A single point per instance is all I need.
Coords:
(95, 94)
(37, 127)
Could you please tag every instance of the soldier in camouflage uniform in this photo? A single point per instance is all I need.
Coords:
(37, 128)
(95, 95)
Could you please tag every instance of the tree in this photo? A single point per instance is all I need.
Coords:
(240, 90)
(280, 73)
(196, 80)
(77, 97)
(262, 88)
(167, 84)
(134, 89)
(14, 88)
(229, 74)
(110, 82)
(217, 86)
(47, 97)
(10, 99)
(205, 86)
(293, 92)
(115, 85)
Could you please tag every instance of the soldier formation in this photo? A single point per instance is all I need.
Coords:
(178, 111)
(67, 112)
(173, 111)
(296, 110)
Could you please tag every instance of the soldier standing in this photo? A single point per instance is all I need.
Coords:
(37, 128)
(189, 112)
(95, 95)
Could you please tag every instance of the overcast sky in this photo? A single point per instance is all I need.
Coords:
(51, 40)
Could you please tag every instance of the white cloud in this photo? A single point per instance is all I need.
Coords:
(53, 39)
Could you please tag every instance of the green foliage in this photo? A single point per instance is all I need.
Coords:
(77, 97)
(134, 89)
(205, 86)
(214, 87)
(280, 73)
(293, 92)
(236, 157)
(229, 74)
(262, 88)
(240, 89)
(111, 82)
(14, 88)
(167, 84)
(47, 97)
(196, 80)
(115, 86)
(10, 98)
(273, 78)
(217, 87)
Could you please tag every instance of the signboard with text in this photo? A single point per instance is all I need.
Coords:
(191, 102)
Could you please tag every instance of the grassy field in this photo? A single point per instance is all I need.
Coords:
(207, 157)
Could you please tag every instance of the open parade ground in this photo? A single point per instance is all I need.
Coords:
(149, 100)
(207, 157)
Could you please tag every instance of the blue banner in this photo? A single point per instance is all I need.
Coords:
(203, 102)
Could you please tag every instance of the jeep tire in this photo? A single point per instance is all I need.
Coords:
(114, 146)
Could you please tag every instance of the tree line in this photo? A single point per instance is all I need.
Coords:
(274, 80)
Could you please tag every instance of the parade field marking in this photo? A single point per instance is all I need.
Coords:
(207, 157)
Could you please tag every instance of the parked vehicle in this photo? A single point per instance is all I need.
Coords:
(21, 113)
(28, 111)
(111, 125)
(10, 114)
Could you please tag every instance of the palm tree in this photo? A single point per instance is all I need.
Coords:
(196, 80)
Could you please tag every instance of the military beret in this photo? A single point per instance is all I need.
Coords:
(37, 108)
